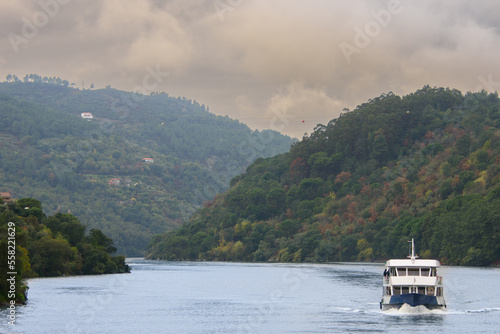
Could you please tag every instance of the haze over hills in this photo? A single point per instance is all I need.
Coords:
(424, 166)
(140, 166)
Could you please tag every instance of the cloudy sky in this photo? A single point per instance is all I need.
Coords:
(281, 64)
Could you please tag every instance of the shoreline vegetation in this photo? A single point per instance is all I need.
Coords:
(425, 165)
(374, 261)
(34, 245)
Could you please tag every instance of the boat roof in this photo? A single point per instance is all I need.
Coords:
(412, 263)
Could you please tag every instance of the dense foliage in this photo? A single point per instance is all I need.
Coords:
(49, 152)
(50, 246)
(425, 165)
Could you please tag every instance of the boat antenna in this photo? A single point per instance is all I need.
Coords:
(412, 256)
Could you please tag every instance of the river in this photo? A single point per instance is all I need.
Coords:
(184, 297)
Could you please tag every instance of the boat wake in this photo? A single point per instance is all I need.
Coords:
(414, 310)
(422, 310)
(485, 310)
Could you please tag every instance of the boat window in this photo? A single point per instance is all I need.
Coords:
(397, 290)
(413, 272)
(425, 271)
(439, 292)
(401, 271)
(388, 290)
(405, 289)
(430, 291)
(433, 272)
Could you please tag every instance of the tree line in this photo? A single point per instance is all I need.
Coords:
(37, 79)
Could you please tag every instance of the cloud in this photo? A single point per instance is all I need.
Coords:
(149, 36)
(251, 59)
(299, 108)
(275, 42)
(105, 38)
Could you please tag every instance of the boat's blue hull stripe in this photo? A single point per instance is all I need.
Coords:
(413, 299)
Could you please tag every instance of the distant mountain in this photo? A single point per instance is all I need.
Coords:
(139, 166)
(425, 165)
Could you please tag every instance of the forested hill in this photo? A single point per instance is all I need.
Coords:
(425, 165)
(139, 167)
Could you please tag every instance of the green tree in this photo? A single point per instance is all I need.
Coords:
(98, 239)
(288, 227)
(54, 257)
(380, 148)
(276, 198)
(68, 225)
(311, 188)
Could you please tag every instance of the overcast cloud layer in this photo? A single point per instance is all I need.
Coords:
(282, 64)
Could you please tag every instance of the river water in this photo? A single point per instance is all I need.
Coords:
(182, 297)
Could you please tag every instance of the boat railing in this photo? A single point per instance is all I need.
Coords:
(412, 280)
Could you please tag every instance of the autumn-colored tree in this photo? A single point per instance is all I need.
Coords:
(342, 177)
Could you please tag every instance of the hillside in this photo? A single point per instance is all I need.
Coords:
(425, 165)
(96, 168)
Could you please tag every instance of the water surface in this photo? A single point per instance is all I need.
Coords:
(179, 297)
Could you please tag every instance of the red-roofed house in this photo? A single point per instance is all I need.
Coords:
(114, 182)
(6, 197)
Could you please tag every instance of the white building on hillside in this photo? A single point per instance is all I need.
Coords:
(87, 115)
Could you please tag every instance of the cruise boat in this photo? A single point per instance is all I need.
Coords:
(412, 281)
